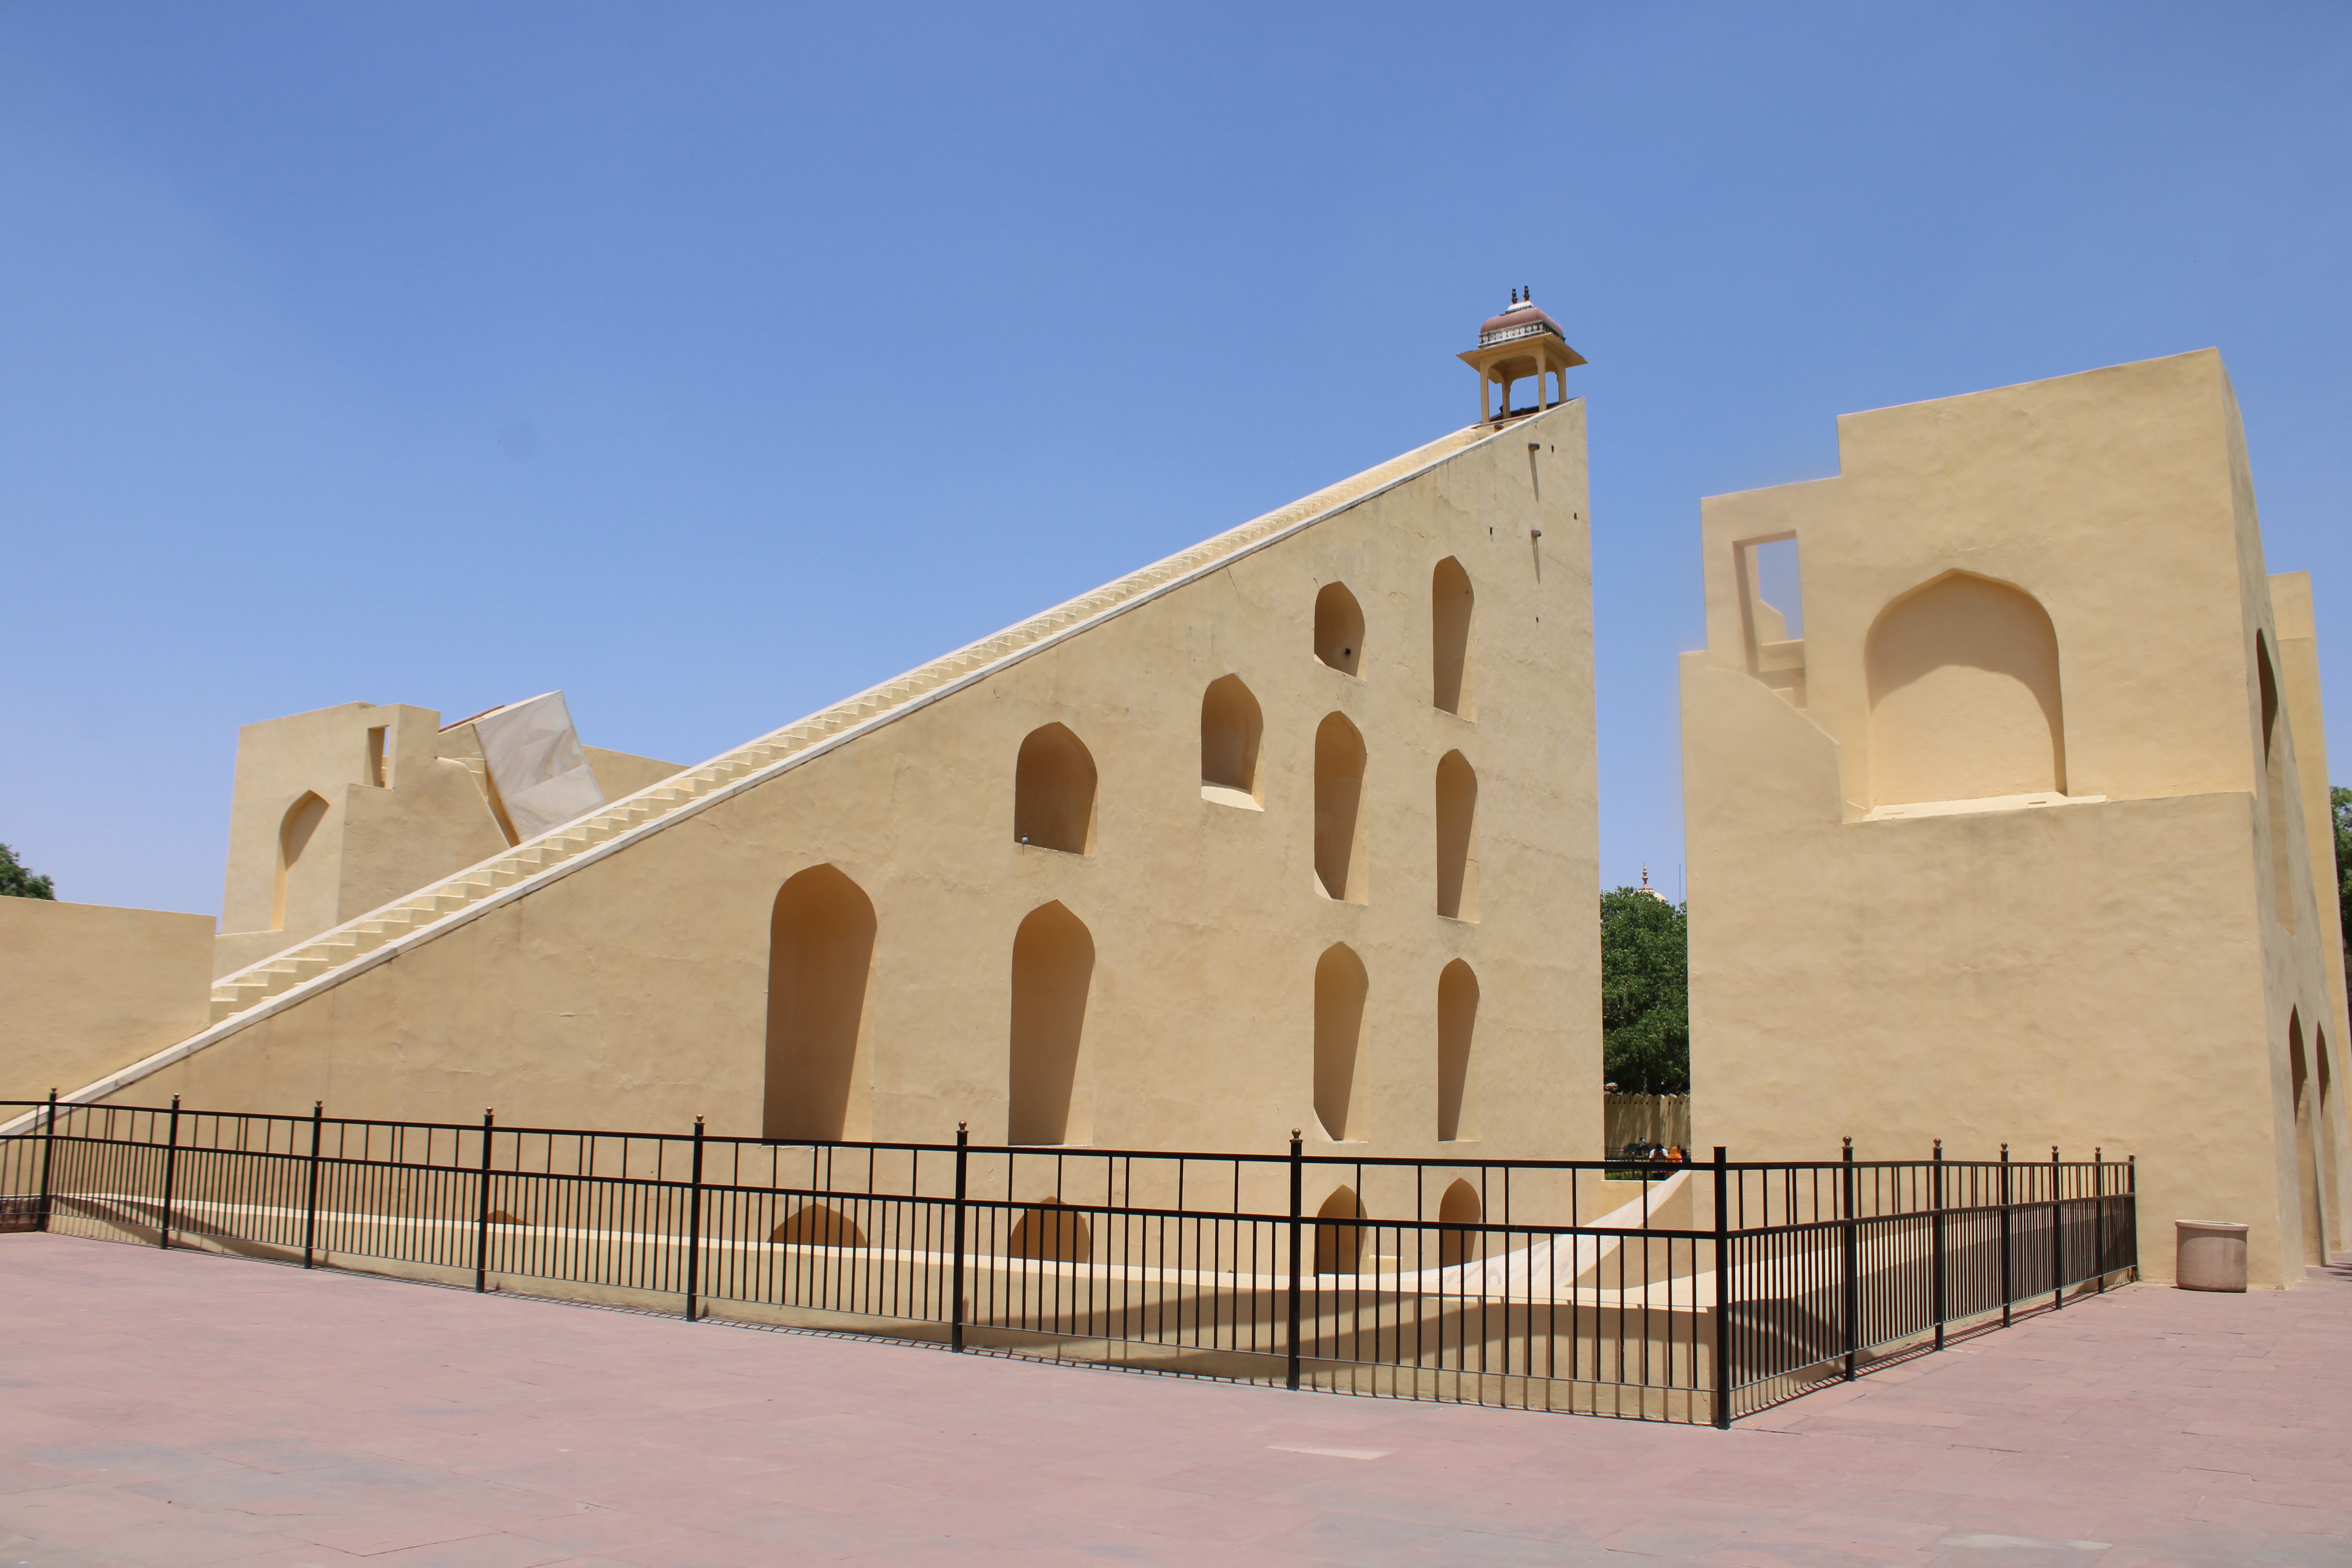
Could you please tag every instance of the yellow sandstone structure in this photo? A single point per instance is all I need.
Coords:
(1296, 828)
(2017, 826)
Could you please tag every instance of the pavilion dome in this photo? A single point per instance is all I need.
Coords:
(1523, 320)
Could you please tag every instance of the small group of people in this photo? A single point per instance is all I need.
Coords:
(1657, 1153)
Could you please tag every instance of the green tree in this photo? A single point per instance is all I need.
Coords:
(17, 883)
(2340, 799)
(1644, 993)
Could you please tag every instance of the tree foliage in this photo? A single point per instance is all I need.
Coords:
(2340, 799)
(1644, 993)
(18, 882)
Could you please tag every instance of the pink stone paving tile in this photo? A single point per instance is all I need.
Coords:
(1767, 1550)
(808, 1531)
(711, 1549)
(1136, 1549)
(1221, 1519)
(499, 1550)
(378, 1530)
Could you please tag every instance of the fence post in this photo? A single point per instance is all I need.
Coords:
(2131, 1208)
(1725, 1382)
(48, 1152)
(2057, 1232)
(693, 1225)
(310, 1200)
(1853, 1250)
(2006, 1293)
(170, 1160)
(482, 1206)
(1297, 1179)
(1938, 1284)
(955, 1272)
(2099, 1212)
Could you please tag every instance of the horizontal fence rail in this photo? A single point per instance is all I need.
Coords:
(1694, 1293)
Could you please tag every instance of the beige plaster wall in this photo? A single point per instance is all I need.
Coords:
(89, 987)
(429, 811)
(2108, 968)
(633, 992)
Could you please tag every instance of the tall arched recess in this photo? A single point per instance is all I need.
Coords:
(820, 959)
(1053, 971)
(294, 830)
(2274, 788)
(1457, 837)
(1338, 629)
(1964, 701)
(1450, 601)
(1340, 864)
(1457, 1031)
(1341, 989)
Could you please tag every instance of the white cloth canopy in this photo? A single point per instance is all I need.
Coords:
(542, 776)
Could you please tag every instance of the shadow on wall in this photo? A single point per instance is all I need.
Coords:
(1054, 1233)
(819, 954)
(819, 1225)
(1964, 700)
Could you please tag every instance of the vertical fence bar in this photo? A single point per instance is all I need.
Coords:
(2131, 1208)
(482, 1206)
(2006, 1295)
(1853, 1251)
(1724, 1380)
(48, 1152)
(171, 1158)
(1939, 1285)
(311, 1198)
(2099, 1215)
(2057, 1233)
(955, 1269)
(694, 1223)
(1297, 1184)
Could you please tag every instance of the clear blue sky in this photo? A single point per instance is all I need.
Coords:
(712, 362)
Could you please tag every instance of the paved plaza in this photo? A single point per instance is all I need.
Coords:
(178, 1409)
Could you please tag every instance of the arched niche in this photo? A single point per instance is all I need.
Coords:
(820, 958)
(1338, 1246)
(1460, 1205)
(1341, 988)
(1457, 1029)
(1052, 1232)
(2302, 1091)
(1053, 792)
(1964, 699)
(1230, 728)
(1450, 601)
(819, 1225)
(2275, 802)
(1338, 629)
(1340, 864)
(1053, 970)
(295, 830)
(1457, 837)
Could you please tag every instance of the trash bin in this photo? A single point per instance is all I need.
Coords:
(2212, 1257)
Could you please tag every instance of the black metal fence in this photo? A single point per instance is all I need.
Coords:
(1694, 1294)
